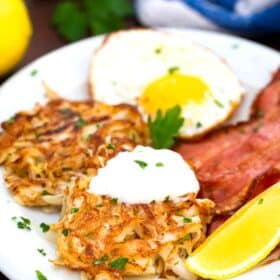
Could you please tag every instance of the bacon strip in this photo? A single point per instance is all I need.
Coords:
(235, 163)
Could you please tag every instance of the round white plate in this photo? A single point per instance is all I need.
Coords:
(65, 70)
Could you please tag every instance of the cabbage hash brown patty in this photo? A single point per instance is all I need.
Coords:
(62, 144)
(107, 239)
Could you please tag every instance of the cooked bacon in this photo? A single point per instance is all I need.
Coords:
(230, 160)
(268, 98)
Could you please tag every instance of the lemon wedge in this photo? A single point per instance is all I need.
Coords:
(15, 33)
(242, 241)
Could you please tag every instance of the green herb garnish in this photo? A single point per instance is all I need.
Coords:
(74, 20)
(80, 123)
(11, 120)
(198, 125)
(34, 72)
(187, 236)
(187, 220)
(218, 103)
(164, 128)
(44, 227)
(101, 260)
(158, 50)
(119, 263)
(173, 69)
(65, 232)
(40, 275)
(111, 146)
(22, 223)
(42, 252)
(159, 164)
(74, 210)
(114, 200)
(141, 163)
(260, 201)
(44, 192)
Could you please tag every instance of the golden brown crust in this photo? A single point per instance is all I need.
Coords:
(154, 238)
(46, 150)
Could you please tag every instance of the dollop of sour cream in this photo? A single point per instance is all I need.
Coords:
(144, 175)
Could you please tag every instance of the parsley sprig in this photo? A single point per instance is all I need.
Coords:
(164, 128)
(75, 19)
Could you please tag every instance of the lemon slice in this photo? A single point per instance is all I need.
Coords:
(242, 241)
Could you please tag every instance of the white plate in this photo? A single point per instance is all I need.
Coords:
(65, 70)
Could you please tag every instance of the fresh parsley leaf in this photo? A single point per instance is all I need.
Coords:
(75, 20)
(44, 227)
(65, 232)
(260, 201)
(173, 69)
(187, 220)
(101, 260)
(158, 50)
(80, 123)
(34, 72)
(164, 128)
(40, 275)
(159, 164)
(74, 210)
(119, 263)
(42, 252)
(45, 192)
(198, 125)
(111, 146)
(141, 163)
(114, 200)
(187, 236)
(10, 120)
(70, 20)
(218, 103)
(22, 223)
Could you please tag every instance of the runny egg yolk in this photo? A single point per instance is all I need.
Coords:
(171, 90)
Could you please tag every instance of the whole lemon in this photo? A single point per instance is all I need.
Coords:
(15, 33)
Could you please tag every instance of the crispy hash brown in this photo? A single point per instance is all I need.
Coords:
(107, 239)
(52, 147)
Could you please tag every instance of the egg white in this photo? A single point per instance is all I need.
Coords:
(129, 61)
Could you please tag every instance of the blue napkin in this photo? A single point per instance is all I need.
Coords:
(248, 16)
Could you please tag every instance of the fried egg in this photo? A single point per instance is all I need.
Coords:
(144, 175)
(155, 71)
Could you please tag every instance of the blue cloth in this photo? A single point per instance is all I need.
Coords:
(223, 13)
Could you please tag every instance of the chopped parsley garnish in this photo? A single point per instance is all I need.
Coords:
(65, 232)
(260, 201)
(198, 125)
(187, 220)
(164, 128)
(101, 260)
(167, 198)
(158, 50)
(260, 114)
(173, 69)
(153, 202)
(218, 103)
(74, 210)
(40, 275)
(119, 263)
(111, 146)
(37, 134)
(187, 236)
(141, 163)
(22, 223)
(80, 123)
(99, 205)
(114, 200)
(159, 164)
(34, 72)
(176, 263)
(42, 252)
(11, 120)
(44, 192)
(44, 227)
